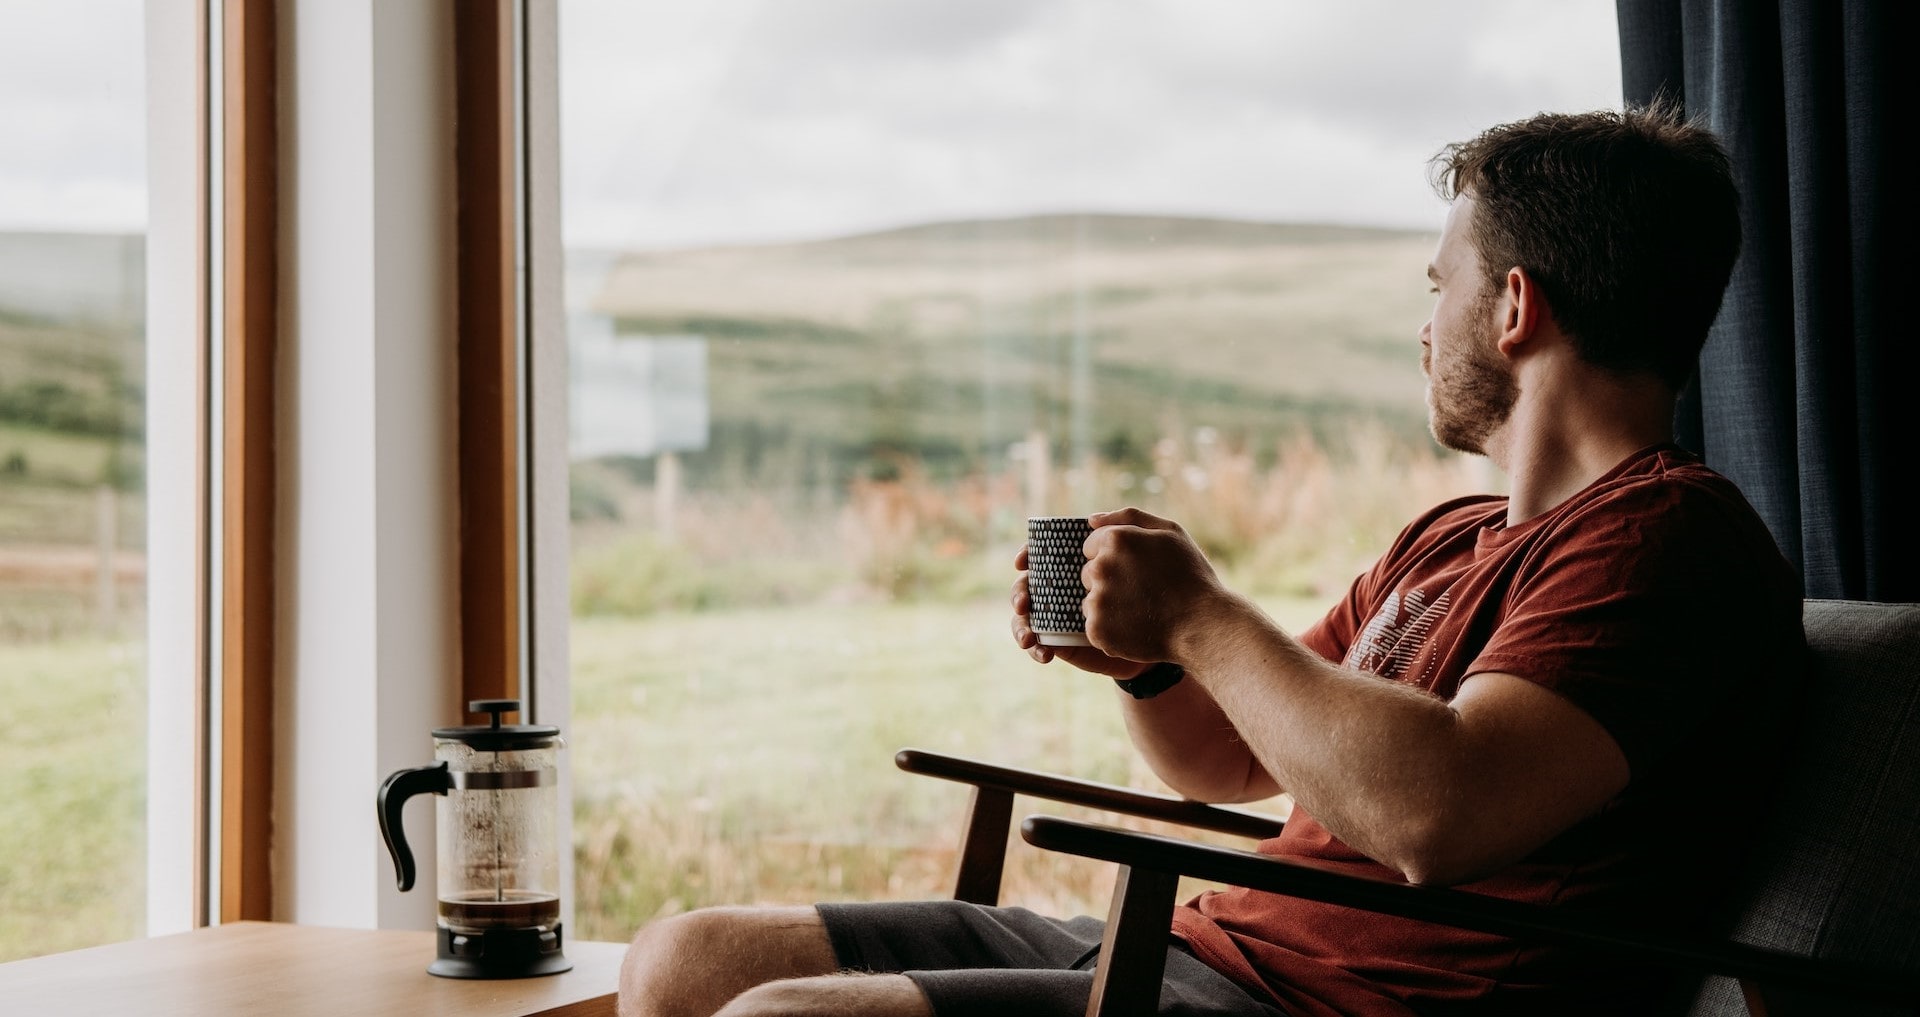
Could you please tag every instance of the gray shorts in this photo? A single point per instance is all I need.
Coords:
(973, 960)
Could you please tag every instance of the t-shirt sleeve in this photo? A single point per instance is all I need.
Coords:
(1334, 633)
(1655, 605)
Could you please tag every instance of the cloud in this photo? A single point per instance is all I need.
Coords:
(756, 121)
(73, 116)
(905, 31)
(735, 120)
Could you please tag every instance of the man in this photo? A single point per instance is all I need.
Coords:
(1560, 696)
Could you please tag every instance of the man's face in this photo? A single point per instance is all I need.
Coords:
(1470, 390)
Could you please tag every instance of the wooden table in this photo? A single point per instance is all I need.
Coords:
(291, 971)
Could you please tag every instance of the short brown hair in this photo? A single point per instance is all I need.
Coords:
(1629, 222)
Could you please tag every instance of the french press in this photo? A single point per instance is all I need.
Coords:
(495, 830)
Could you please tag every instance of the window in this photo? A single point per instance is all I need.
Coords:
(855, 286)
(73, 475)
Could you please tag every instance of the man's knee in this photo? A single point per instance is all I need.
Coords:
(664, 965)
(692, 964)
(689, 936)
(832, 996)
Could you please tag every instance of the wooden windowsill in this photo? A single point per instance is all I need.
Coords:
(292, 971)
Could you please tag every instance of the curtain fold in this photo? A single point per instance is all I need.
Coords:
(1805, 394)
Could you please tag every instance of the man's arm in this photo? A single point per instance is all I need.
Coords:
(1444, 792)
(1181, 733)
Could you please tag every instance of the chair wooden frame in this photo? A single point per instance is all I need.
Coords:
(1133, 952)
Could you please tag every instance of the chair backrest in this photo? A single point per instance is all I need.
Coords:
(1835, 872)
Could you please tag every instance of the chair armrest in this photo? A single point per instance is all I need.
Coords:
(983, 847)
(1458, 908)
(1108, 797)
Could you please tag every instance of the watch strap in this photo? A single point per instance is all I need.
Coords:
(1153, 681)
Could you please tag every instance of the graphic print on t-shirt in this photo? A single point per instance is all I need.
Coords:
(1397, 633)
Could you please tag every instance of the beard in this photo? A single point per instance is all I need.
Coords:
(1470, 393)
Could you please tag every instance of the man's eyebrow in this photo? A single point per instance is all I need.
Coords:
(1433, 273)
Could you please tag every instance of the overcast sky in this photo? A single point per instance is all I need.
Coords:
(743, 120)
(73, 131)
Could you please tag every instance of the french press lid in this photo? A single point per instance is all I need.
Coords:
(499, 737)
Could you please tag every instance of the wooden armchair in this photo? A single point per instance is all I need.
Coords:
(1826, 916)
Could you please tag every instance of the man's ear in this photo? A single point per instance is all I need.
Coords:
(1522, 308)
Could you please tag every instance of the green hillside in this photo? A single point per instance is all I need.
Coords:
(71, 418)
(937, 345)
(944, 343)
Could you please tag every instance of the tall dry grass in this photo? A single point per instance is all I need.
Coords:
(1289, 519)
(741, 681)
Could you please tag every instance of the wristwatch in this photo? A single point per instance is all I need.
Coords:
(1153, 681)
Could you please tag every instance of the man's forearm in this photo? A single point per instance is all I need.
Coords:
(1193, 747)
(1371, 759)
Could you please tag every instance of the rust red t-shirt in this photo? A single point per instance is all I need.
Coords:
(1656, 601)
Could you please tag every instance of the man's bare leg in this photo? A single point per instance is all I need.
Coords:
(745, 962)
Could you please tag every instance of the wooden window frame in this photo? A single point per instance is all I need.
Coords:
(491, 315)
(248, 475)
(492, 325)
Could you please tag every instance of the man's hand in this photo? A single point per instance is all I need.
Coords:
(1136, 564)
(1085, 658)
(1146, 582)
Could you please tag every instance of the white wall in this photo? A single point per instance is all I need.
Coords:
(174, 400)
(550, 536)
(368, 655)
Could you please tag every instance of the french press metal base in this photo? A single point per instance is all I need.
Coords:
(500, 953)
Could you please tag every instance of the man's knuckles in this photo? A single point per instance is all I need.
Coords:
(1099, 571)
(1116, 636)
(1136, 517)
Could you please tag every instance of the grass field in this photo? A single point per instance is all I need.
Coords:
(735, 756)
(739, 692)
(73, 736)
(746, 757)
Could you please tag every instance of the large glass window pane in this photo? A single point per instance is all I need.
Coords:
(72, 474)
(854, 286)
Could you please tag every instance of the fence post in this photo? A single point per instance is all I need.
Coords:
(106, 521)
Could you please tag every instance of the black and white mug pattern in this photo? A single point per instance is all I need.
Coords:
(1055, 554)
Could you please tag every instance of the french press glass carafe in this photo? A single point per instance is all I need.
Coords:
(496, 828)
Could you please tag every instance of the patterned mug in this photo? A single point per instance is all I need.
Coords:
(1055, 554)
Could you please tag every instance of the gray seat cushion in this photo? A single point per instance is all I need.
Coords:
(1836, 871)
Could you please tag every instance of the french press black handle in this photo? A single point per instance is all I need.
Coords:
(400, 786)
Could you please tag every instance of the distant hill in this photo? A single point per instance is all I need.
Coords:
(942, 343)
(72, 311)
(1111, 231)
(945, 342)
(72, 386)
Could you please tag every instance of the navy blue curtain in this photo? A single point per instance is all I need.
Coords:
(1806, 392)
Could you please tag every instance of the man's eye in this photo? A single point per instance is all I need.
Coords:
(1433, 289)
